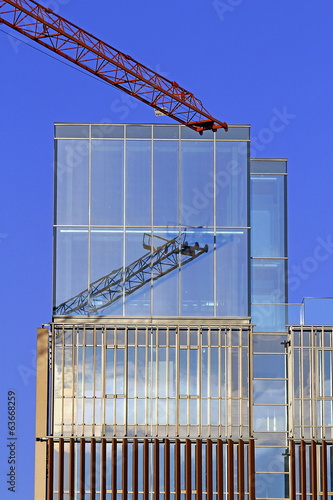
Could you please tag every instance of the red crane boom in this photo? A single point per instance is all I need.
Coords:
(76, 45)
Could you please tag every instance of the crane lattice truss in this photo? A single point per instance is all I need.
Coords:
(153, 265)
(76, 45)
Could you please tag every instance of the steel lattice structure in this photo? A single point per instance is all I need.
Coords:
(110, 288)
(118, 69)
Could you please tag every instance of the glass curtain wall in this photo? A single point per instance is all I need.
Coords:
(151, 220)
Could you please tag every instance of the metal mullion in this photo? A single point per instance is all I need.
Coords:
(147, 380)
(177, 356)
(84, 347)
(62, 377)
(313, 374)
(94, 382)
(125, 380)
(157, 381)
(124, 217)
(214, 223)
(180, 202)
(74, 400)
(302, 381)
(240, 380)
(323, 392)
(199, 378)
(103, 374)
(89, 216)
(229, 378)
(167, 393)
(151, 213)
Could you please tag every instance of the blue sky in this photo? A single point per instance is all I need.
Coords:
(258, 62)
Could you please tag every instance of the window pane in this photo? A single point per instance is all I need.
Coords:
(106, 257)
(232, 273)
(72, 182)
(269, 392)
(107, 180)
(267, 215)
(197, 274)
(231, 184)
(138, 179)
(197, 186)
(269, 366)
(71, 264)
(269, 418)
(138, 272)
(166, 273)
(165, 183)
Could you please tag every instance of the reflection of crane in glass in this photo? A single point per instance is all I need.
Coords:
(156, 263)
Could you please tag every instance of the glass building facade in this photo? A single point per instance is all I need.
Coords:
(169, 369)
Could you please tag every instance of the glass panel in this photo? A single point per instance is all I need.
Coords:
(138, 272)
(107, 131)
(166, 273)
(197, 274)
(138, 181)
(72, 263)
(268, 216)
(107, 180)
(234, 132)
(106, 257)
(269, 366)
(270, 459)
(197, 186)
(268, 280)
(270, 418)
(138, 131)
(232, 273)
(272, 486)
(72, 182)
(166, 132)
(165, 183)
(72, 131)
(231, 184)
(269, 317)
(268, 166)
(110, 381)
(268, 343)
(269, 392)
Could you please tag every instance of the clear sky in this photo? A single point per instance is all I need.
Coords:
(258, 62)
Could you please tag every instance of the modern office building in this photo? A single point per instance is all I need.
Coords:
(170, 369)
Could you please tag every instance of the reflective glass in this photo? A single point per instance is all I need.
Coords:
(197, 191)
(269, 317)
(71, 264)
(165, 183)
(232, 273)
(107, 131)
(272, 486)
(166, 132)
(269, 392)
(72, 182)
(72, 131)
(268, 215)
(268, 280)
(138, 183)
(107, 181)
(138, 285)
(270, 418)
(197, 286)
(106, 257)
(138, 131)
(231, 184)
(269, 365)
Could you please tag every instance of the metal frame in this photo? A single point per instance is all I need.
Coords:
(149, 389)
